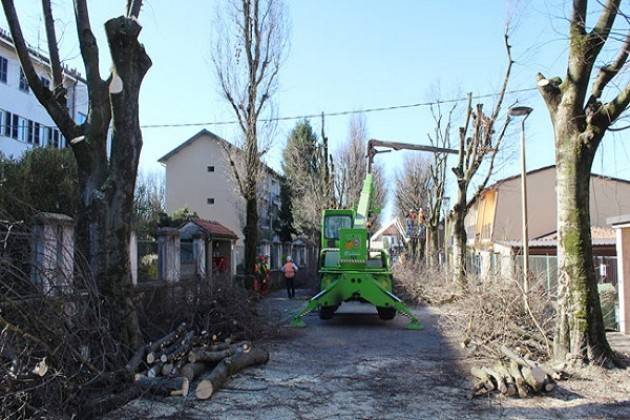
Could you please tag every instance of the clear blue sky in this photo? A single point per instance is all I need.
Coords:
(347, 55)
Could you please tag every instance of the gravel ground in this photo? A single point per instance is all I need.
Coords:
(357, 366)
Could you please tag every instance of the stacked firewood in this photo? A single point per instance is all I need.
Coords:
(515, 375)
(170, 365)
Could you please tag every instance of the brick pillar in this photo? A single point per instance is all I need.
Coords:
(168, 255)
(53, 252)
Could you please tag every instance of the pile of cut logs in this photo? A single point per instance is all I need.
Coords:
(515, 376)
(170, 365)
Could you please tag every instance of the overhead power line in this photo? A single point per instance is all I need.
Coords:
(338, 113)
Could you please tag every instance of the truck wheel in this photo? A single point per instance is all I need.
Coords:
(327, 312)
(386, 314)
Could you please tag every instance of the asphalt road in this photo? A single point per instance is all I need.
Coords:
(353, 366)
(356, 366)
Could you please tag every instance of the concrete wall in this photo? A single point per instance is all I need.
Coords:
(25, 104)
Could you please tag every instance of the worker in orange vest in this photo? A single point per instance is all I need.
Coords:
(289, 269)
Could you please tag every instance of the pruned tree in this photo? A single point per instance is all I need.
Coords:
(247, 54)
(580, 120)
(351, 163)
(106, 177)
(441, 137)
(351, 167)
(305, 167)
(479, 143)
(413, 189)
(412, 185)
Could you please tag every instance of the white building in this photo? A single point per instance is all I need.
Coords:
(24, 123)
(199, 177)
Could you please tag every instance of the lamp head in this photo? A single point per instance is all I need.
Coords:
(520, 111)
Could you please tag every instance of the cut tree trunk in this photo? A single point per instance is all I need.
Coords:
(191, 371)
(251, 234)
(580, 334)
(163, 342)
(459, 246)
(178, 349)
(164, 386)
(228, 367)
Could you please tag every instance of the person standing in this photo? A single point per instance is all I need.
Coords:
(289, 269)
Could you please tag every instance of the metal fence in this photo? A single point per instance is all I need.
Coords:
(546, 267)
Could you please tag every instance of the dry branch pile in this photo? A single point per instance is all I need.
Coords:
(515, 376)
(56, 349)
(169, 365)
(493, 313)
(415, 283)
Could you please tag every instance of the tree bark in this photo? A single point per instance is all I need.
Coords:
(433, 245)
(106, 180)
(580, 331)
(459, 241)
(130, 65)
(251, 235)
(228, 367)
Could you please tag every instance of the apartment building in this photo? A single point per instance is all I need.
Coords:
(199, 177)
(24, 123)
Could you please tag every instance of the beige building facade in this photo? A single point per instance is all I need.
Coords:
(493, 224)
(199, 177)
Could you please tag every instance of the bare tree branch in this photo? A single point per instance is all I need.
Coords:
(133, 8)
(53, 49)
(87, 43)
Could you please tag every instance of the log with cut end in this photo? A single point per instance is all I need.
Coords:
(136, 359)
(163, 342)
(498, 379)
(228, 367)
(166, 369)
(201, 355)
(193, 370)
(549, 385)
(479, 388)
(535, 378)
(484, 377)
(164, 386)
(178, 349)
(155, 370)
(509, 380)
(521, 388)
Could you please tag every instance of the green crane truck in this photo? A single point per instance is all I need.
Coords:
(349, 269)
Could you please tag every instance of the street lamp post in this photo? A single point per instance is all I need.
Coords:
(523, 111)
(445, 204)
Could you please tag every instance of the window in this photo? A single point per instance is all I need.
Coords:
(81, 117)
(29, 131)
(5, 127)
(52, 137)
(210, 168)
(15, 120)
(210, 200)
(23, 82)
(4, 65)
(36, 130)
(45, 82)
(332, 224)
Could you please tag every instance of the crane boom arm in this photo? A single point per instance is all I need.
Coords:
(396, 145)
